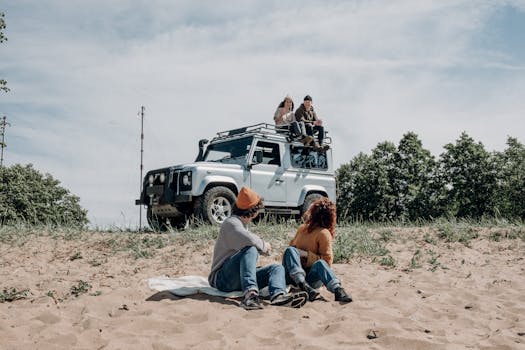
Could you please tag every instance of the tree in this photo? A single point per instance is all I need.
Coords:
(470, 176)
(355, 197)
(420, 191)
(510, 194)
(27, 195)
(365, 185)
(3, 83)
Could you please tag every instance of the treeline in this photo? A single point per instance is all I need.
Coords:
(406, 182)
(28, 196)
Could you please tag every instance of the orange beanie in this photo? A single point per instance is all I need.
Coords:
(247, 198)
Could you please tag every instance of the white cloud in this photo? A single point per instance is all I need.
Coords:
(376, 69)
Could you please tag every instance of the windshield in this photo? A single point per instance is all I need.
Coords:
(232, 151)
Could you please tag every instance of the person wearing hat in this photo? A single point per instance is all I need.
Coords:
(235, 255)
(306, 114)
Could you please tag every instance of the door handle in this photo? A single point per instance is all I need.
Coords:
(279, 181)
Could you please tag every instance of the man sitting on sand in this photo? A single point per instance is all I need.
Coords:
(234, 264)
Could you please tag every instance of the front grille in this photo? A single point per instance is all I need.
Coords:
(175, 182)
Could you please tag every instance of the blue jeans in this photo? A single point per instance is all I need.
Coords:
(240, 272)
(311, 129)
(318, 274)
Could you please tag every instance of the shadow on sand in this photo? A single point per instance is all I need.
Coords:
(214, 299)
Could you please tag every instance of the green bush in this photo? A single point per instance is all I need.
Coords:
(406, 183)
(28, 196)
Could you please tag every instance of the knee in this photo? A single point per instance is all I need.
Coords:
(251, 251)
(321, 264)
(290, 251)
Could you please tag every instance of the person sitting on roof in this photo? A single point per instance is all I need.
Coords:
(285, 120)
(306, 114)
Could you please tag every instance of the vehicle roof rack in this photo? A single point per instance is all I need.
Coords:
(261, 128)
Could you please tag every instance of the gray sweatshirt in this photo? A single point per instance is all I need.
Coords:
(233, 236)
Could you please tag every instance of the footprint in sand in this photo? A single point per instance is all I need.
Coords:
(48, 318)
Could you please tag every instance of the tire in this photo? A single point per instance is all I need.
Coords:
(215, 205)
(310, 198)
(157, 223)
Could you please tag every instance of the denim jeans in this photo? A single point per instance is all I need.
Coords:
(295, 129)
(240, 272)
(311, 129)
(318, 274)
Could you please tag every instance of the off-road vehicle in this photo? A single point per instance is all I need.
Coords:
(286, 173)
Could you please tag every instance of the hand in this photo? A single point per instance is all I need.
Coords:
(318, 122)
(303, 253)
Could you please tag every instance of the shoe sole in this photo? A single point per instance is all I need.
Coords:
(295, 300)
(252, 307)
(299, 299)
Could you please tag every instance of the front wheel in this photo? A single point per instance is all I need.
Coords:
(215, 205)
(157, 223)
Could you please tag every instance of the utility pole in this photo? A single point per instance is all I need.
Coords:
(142, 109)
(3, 124)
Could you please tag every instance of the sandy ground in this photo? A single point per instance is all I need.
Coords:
(464, 298)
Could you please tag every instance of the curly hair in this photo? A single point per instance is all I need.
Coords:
(322, 213)
(248, 212)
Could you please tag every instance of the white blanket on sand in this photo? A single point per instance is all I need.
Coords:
(188, 285)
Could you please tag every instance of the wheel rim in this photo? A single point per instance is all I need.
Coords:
(220, 209)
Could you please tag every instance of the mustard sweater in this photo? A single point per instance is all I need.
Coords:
(317, 243)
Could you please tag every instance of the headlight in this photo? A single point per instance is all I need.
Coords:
(162, 178)
(186, 180)
(151, 179)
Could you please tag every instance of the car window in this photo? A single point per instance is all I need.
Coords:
(270, 152)
(228, 151)
(307, 158)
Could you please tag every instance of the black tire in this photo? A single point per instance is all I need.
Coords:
(310, 198)
(163, 224)
(157, 223)
(215, 205)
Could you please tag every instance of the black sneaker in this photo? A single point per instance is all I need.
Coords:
(312, 292)
(252, 302)
(342, 296)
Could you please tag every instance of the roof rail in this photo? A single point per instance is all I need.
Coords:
(262, 128)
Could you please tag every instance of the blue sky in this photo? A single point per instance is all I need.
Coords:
(79, 72)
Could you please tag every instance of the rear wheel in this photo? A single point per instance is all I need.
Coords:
(215, 205)
(312, 197)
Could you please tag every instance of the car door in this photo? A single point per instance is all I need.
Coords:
(266, 173)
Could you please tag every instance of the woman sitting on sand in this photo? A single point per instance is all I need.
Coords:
(308, 259)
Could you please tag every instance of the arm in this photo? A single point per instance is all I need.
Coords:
(277, 117)
(238, 237)
(299, 115)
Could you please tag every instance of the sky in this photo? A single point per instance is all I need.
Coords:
(80, 70)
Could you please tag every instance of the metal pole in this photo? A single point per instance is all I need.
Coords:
(3, 124)
(141, 160)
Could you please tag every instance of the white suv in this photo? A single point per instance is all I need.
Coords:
(288, 175)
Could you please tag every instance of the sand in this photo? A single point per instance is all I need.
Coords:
(465, 298)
